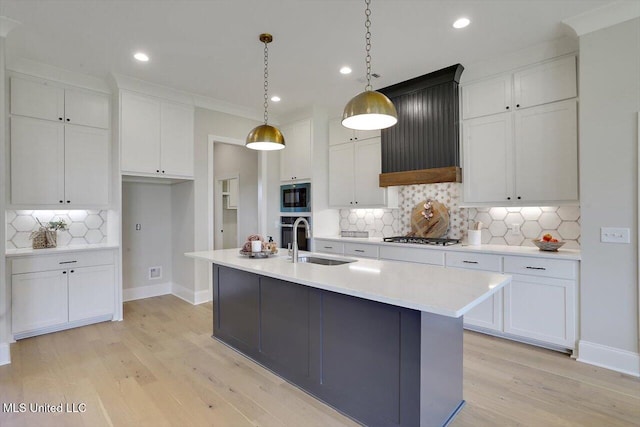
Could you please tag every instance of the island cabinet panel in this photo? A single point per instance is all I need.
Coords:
(375, 362)
(237, 296)
(362, 356)
(285, 310)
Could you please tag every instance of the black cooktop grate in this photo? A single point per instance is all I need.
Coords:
(422, 240)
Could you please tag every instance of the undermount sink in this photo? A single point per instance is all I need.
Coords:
(324, 261)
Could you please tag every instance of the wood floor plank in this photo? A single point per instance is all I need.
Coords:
(160, 367)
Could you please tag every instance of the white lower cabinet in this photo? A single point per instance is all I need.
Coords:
(538, 305)
(489, 313)
(54, 292)
(38, 300)
(91, 292)
(329, 247)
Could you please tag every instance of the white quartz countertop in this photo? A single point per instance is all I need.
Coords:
(529, 251)
(60, 249)
(449, 292)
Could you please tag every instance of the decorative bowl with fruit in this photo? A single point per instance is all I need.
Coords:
(548, 243)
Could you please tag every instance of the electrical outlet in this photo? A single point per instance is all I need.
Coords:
(515, 229)
(615, 235)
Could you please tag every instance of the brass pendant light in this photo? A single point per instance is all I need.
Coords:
(265, 137)
(370, 109)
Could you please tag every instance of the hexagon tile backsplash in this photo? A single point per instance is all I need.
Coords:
(85, 227)
(563, 222)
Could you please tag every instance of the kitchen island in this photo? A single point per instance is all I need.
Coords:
(380, 341)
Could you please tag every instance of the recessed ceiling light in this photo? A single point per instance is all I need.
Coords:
(345, 70)
(275, 98)
(461, 23)
(142, 57)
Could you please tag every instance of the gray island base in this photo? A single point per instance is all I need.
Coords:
(378, 363)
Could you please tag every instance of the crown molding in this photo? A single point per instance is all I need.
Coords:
(603, 17)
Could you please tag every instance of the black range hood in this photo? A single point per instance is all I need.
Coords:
(423, 147)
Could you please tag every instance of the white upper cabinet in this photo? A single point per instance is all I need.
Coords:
(86, 164)
(53, 164)
(37, 162)
(486, 97)
(176, 136)
(39, 100)
(43, 100)
(339, 134)
(156, 137)
(60, 146)
(548, 82)
(86, 108)
(546, 152)
(341, 175)
(354, 170)
(525, 151)
(487, 163)
(295, 158)
(140, 133)
(368, 165)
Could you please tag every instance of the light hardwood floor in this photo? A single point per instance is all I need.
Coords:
(160, 367)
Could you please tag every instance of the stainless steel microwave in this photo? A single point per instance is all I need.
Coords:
(295, 197)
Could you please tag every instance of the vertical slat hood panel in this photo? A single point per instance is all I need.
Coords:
(426, 135)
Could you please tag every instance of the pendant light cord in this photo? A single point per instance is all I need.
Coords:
(367, 25)
(266, 81)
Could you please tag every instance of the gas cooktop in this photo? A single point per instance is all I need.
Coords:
(422, 240)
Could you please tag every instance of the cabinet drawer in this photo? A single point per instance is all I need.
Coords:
(61, 261)
(561, 269)
(365, 251)
(330, 247)
(473, 261)
(422, 256)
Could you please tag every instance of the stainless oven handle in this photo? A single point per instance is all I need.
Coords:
(286, 225)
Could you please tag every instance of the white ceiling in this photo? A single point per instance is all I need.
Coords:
(211, 47)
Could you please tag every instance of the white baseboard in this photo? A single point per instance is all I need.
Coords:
(147, 291)
(5, 354)
(623, 361)
(190, 296)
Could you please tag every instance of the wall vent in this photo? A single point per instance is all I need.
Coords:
(155, 273)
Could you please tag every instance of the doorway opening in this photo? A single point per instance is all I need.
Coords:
(227, 212)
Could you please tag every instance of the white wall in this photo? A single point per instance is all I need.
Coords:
(208, 122)
(4, 291)
(609, 99)
(182, 238)
(149, 205)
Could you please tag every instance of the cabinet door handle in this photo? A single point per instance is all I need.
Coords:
(61, 201)
(162, 171)
(68, 120)
(535, 268)
(517, 105)
(469, 262)
(359, 250)
(60, 118)
(328, 247)
(507, 107)
(519, 197)
(508, 198)
(158, 170)
(68, 201)
(67, 262)
(72, 271)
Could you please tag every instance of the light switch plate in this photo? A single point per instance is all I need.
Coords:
(615, 235)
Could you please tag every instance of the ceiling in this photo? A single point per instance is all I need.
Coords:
(211, 47)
